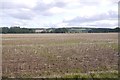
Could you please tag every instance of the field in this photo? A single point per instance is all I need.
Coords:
(60, 55)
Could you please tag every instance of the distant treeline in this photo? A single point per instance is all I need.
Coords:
(6, 30)
(103, 30)
(15, 30)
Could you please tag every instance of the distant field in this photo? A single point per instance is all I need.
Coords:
(60, 55)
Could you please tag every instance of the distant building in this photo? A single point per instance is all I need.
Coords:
(39, 31)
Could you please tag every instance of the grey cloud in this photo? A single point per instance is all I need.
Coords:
(25, 15)
(59, 4)
(111, 15)
(42, 8)
(104, 16)
(22, 16)
(11, 9)
(102, 25)
(11, 5)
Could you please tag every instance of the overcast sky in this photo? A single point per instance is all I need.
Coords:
(59, 13)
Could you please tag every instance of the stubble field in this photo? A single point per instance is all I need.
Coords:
(59, 55)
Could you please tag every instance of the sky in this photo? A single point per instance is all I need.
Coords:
(59, 13)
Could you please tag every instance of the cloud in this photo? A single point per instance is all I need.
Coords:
(41, 6)
(22, 14)
(16, 4)
(59, 4)
(108, 19)
(10, 5)
(58, 12)
(111, 15)
(48, 9)
(17, 9)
